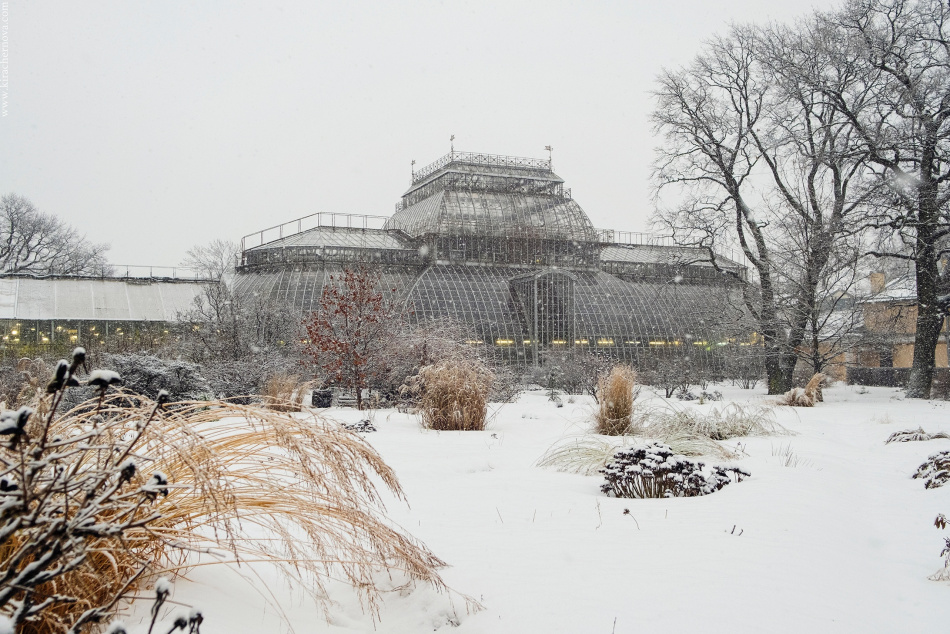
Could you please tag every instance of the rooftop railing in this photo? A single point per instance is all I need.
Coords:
(127, 271)
(610, 236)
(313, 221)
(635, 238)
(138, 271)
(496, 160)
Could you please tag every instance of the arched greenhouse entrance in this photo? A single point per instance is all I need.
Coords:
(545, 300)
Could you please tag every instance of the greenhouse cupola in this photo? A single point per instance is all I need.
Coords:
(486, 207)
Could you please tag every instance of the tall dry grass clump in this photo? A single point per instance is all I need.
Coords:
(805, 397)
(454, 395)
(285, 392)
(120, 488)
(719, 423)
(616, 394)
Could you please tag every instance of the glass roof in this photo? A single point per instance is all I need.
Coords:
(497, 214)
(465, 193)
(95, 299)
(340, 237)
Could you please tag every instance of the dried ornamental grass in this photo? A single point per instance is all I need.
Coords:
(807, 396)
(731, 421)
(297, 492)
(687, 443)
(616, 394)
(585, 455)
(247, 471)
(285, 392)
(455, 395)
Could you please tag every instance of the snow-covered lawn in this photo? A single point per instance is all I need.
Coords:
(842, 542)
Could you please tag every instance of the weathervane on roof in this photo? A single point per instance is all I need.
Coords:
(452, 143)
(412, 168)
(550, 155)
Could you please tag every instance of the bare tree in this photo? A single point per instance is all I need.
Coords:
(898, 106)
(239, 339)
(34, 242)
(760, 161)
(213, 260)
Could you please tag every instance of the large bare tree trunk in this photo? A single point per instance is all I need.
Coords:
(929, 315)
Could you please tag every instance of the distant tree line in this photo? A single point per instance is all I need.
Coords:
(35, 242)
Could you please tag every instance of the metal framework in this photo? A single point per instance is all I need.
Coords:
(476, 158)
(498, 243)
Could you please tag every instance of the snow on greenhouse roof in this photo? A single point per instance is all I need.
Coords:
(99, 299)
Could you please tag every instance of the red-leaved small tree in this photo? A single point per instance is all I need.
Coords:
(352, 329)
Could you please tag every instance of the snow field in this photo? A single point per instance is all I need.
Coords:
(842, 542)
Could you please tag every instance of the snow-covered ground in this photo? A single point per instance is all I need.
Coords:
(842, 542)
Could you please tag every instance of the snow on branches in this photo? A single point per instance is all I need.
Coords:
(64, 490)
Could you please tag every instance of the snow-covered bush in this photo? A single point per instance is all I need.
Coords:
(685, 394)
(573, 371)
(507, 384)
(364, 426)
(148, 375)
(743, 366)
(935, 472)
(243, 380)
(914, 435)
(654, 471)
(454, 395)
(237, 339)
(944, 573)
(617, 394)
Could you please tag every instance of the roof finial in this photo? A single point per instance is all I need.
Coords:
(452, 143)
(550, 156)
(413, 168)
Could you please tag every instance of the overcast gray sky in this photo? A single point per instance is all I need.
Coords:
(155, 126)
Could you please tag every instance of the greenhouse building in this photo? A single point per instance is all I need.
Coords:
(498, 243)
